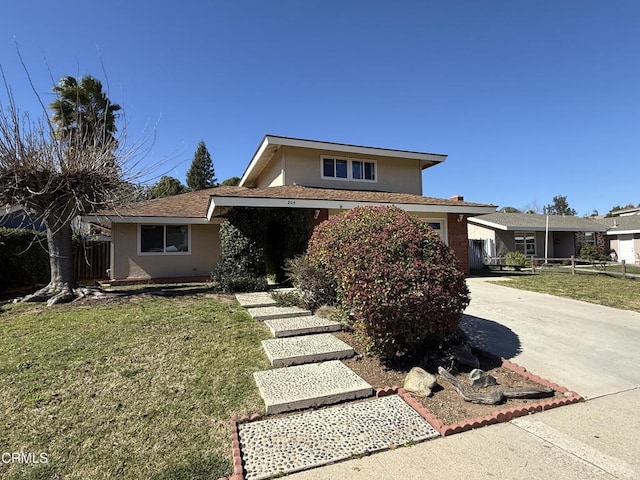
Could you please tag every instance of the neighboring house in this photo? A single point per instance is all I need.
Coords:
(18, 217)
(495, 234)
(623, 234)
(179, 236)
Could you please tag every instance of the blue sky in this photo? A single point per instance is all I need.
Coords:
(528, 99)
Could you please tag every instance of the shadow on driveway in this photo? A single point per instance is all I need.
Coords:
(491, 336)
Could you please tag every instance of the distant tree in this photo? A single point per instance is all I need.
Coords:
(165, 187)
(231, 182)
(201, 174)
(618, 207)
(560, 206)
(532, 207)
(509, 210)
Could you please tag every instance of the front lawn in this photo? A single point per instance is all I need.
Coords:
(600, 289)
(140, 387)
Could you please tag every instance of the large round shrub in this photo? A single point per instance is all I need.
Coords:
(394, 276)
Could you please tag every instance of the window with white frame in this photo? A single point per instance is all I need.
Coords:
(164, 239)
(590, 238)
(525, 242)
(336, 168)
(438, 226)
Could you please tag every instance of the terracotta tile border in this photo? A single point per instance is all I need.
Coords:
(497, 416)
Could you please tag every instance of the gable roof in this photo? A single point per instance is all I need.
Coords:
(271, 144)
(621, 225)
(535, 222)
(204, 205)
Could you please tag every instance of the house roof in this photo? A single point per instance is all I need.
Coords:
(621, 225)
(535, 222)
(202, 206)
(272, 143)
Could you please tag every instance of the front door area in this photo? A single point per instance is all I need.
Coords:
(626, 250)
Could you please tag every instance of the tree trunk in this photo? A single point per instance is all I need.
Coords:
(62, 283)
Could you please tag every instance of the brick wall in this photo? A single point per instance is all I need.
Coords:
(459, 240)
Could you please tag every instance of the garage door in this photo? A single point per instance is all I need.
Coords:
(625, 249)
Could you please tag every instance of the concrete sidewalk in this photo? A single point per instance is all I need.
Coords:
(591, 349)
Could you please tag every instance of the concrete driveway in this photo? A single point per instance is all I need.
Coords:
(587, 348)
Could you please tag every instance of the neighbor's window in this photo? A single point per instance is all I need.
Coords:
(526, 242)
(590, 238)
(347, 169)
(164, 238)
(334, 168)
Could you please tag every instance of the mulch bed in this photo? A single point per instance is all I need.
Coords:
(445, 404)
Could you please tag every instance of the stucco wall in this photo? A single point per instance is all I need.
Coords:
(303, 167)
(127, 264)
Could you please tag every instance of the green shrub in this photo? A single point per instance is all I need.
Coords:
(315, 286)
(394, 276)
(515, 259)
(242, 266)
(23, 258)
(589, 252)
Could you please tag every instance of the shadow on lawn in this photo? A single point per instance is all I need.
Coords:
(491, 336)
(170, 291)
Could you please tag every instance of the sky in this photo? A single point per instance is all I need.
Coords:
(529, 100)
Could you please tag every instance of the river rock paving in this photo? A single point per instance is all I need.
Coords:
(305, 440)
(268, 313)
(255, 299)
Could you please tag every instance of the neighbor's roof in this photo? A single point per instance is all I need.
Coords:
(621, 225)
(536, 222)
(200, 206)
(272, 143)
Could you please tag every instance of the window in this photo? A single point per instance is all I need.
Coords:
(334, 168)
(348, 169)
(164, 239)
(525, 242)
(590, 238)
(362, 170)
(438, 225)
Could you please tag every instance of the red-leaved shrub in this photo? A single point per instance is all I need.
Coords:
(394, 276)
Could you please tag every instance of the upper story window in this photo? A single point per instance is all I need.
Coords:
(164, 239)
(347, 169)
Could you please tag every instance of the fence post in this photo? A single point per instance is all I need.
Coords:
(573, 264)
(624, 269)
(533, 264)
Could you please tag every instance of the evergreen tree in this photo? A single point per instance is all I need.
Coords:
(201, 174)
(560, 206)
(165, 187)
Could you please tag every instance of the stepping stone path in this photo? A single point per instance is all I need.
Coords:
(284, 352)
(312, 376)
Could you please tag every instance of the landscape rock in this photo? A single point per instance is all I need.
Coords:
(480, 378)
(419, 381)
(462, 355)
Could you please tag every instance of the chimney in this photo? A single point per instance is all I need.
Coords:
(457, 198)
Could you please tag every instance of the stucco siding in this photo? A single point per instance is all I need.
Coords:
(301, 166)
(128, 264)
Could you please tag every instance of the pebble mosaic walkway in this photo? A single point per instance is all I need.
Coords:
(310, 439)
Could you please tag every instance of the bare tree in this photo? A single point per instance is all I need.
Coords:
(61, 173)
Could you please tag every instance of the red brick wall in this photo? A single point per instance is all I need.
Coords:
(459, 240)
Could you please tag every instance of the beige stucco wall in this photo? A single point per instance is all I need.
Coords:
(303, 166)
(477, 232)
(127, 264)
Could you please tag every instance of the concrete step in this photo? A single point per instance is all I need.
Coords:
(255, 299)
(312, 385)
(310, 439)
(283, 352)
(292, 326)
(269, 313)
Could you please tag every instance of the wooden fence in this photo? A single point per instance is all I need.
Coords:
(91, 259)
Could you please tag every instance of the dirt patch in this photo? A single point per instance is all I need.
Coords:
(445, 403)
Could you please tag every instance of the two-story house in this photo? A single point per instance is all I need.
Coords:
(179, 236)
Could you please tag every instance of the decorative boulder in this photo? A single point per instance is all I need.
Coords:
(480, 378)
(419, 381)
